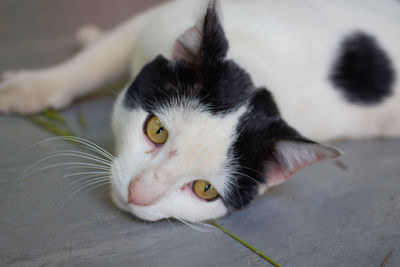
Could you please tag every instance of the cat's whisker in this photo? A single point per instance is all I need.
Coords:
(238, 193)
(234, 185)
(83, 180)
(191, 225)
(94, 187)
(88, 170)
(80, 165)
(245, 175)
(77, 182)
(97, 182)
(87, 144)
(169, 221)
(92, 145)
(85, 166)
(99, 159)
(72, 153)
(251, 169)
(81, 173)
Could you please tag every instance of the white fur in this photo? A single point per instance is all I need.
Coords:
(286, 45)
(201, 142)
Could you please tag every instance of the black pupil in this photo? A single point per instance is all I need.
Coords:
(160, 130)
(207, 187)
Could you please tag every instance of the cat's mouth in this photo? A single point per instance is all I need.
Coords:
(142, 212)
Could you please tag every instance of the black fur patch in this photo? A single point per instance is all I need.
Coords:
(363, 71)
(260, 128)
(218, 84)
(220, 90)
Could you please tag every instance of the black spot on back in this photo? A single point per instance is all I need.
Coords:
(363, 71)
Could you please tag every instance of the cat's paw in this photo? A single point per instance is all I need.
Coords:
(28, 92)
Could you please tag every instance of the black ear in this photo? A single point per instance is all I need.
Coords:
(279, 149)
(205, 41)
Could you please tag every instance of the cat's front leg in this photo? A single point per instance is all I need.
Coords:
(104, 59)
(32, 91)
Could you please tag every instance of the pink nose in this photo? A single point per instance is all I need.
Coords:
(143, 192)
(134, 196)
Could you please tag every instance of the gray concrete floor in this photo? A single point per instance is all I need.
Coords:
(330, 214)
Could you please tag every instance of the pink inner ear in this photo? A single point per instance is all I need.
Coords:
(294, 156)
(278, 175)
(188, 44)
(180, 51)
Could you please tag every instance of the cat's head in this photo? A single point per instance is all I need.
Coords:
(195, 138)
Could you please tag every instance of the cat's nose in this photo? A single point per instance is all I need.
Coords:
(134, 196)
(144, 192)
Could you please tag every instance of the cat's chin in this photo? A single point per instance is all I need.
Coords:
(152, 212)
(118, 201)
(145, 213)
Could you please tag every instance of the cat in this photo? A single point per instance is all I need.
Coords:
(223, 107)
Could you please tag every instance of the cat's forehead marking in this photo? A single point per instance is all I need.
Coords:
(164, 83)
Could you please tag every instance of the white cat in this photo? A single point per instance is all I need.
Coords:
(197, 133)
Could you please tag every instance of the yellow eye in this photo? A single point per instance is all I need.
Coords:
(204, 190)
(155, 131)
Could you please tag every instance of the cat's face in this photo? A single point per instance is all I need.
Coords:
(195, 138)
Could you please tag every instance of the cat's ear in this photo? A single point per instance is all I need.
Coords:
(284, 150)
(289, 156)
(205, 41)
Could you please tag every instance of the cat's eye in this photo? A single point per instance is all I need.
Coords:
(156, 131)
(203, 189)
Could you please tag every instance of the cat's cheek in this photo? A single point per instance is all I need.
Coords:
(118, 201)
(119, 194)
(152, 148)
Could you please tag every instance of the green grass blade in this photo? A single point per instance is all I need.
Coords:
(50, 126)
(244, 243)
(81, 119)
(54, 115)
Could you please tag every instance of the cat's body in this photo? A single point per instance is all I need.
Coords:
(291, 47)
(331, 68)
